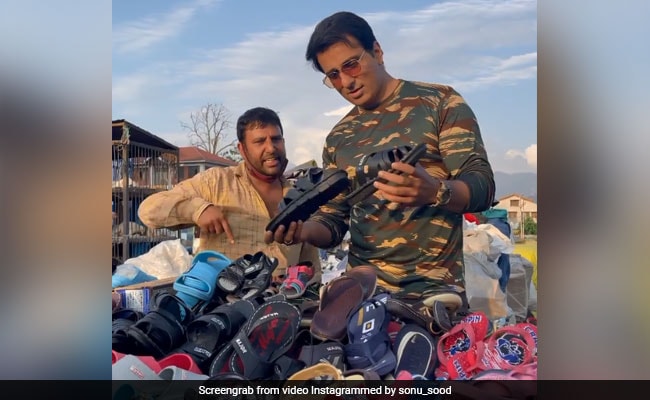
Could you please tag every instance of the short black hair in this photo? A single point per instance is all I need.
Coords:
(336, 28)
(257, 117)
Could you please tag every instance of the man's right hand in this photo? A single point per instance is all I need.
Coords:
(286, 236)
(212, 220)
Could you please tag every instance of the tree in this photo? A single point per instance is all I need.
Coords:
(530, 226)
(208, 129)
(232, 154)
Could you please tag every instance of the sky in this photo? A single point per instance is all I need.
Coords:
(172, 57)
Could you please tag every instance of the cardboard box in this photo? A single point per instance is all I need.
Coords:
(141, 296)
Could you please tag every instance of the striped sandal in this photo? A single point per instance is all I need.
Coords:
(299, 278)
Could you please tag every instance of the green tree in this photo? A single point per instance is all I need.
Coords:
(530, 226)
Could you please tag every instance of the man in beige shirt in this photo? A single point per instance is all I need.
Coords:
(232, 205)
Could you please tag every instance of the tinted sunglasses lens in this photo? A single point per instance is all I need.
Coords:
(351, 68)
(331, 81)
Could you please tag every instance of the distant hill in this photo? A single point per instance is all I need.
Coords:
(524, 183)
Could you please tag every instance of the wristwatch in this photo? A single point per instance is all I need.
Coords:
(443, 196)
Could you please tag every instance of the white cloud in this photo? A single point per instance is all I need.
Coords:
(474, 45)
(137, 35)
(529, 154)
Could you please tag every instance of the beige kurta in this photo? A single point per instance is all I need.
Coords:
(231, 189)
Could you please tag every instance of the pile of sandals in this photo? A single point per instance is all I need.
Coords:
(232, 320)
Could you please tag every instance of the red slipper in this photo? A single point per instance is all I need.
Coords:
(509, 348)
(480, 323)
(459, 353)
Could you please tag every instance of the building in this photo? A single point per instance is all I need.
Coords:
(142, 164)
(193, 160)
(519, 207)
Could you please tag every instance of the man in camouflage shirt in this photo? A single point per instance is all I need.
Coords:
(410, 230)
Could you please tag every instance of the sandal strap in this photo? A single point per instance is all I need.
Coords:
(254, 366)
(316, 371)
(234, 274)
(294, 272)
(286, 366)
(370, 165)
(360, 355)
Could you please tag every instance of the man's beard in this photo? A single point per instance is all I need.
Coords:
(260, 174)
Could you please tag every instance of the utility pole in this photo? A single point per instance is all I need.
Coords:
(521, 218)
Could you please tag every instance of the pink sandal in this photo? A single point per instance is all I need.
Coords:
(459, 353)
(509, 348)
(299, 278)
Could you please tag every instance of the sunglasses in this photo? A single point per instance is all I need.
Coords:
(351, 68)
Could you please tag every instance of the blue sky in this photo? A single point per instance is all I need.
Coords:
(172, 57)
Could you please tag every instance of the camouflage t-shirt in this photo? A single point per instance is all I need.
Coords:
(414, 248)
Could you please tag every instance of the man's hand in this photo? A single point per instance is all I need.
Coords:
(415, 188)
(291, 236)
(212, 220)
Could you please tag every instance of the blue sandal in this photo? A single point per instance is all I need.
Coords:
(198, 284)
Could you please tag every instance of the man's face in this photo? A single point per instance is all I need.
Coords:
(366, 88)
(263, 149)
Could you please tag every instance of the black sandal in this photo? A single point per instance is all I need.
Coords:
(311, 191)
(248, 266)
(210, 332)
(122, 320)
(370, 165)
(258, 281)
(163, 329)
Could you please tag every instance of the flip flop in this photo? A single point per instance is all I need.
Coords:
(323, 371)
(509, 348)
(162, 329)
(435, 318)
(459, 353)
(339, 298)
(360, 375)
(268, 335)
(366, 275)
(415, 351)
(452, 300)
(313, 351)
(369, 344)
(329, 321)
(311, 191)
(210, 332)
(117, 355)
(131, 368)
(527, 372)
(174, 373)
(480, 323)
(532, 329)
(199, 282)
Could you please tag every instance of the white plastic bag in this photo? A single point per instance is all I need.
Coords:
(477, 243)
(499, 243)
(165, 260)
(483, 291)
(482, 246)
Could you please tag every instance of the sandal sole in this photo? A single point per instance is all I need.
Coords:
(311, 200)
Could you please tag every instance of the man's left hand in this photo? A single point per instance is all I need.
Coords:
(414, 188)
